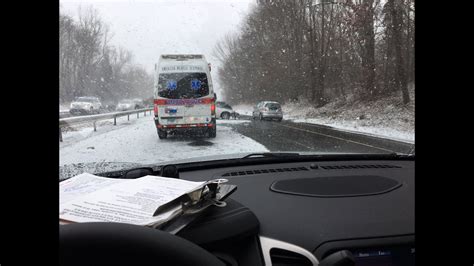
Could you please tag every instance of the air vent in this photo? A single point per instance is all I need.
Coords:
(286, 257)
(265, 171)
(358, 166)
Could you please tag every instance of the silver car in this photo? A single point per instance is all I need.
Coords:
(85, 105)
(125, 105)
(268, 110)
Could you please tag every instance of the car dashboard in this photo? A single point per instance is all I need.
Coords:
(305, 211)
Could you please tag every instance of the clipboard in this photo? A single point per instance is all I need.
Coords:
(193, 204)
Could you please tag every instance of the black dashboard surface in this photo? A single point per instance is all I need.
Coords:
(309, 221)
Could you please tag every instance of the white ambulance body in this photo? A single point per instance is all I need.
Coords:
(184, 98)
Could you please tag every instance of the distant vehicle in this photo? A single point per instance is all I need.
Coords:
(224, 111)
(184, 95)
(125, 105)
(268, 110)
(85, 105)
(130, 104)
(139, 103)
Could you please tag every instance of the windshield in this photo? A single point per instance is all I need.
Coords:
(224, 79)
(183, 85)
(273, 106)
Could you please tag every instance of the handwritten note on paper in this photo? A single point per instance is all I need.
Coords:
(133, 201)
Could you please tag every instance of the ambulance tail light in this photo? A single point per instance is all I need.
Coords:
(213, 108)
(155, 109)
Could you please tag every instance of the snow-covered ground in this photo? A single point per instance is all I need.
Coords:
(361, 127)
(136, 141)
(63, 108)
(388, 117)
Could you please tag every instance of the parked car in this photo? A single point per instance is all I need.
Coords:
(224, 111)
(85, 105)
(268, 110)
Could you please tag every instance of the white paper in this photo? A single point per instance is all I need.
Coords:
(84, 184)
(133, 202)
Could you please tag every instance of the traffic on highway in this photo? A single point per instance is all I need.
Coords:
(305, 106)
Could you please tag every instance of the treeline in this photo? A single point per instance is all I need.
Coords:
(90, 66)
(320, 50)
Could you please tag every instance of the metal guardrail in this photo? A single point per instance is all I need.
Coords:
(68, 121)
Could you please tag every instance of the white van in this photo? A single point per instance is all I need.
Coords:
(184, 99)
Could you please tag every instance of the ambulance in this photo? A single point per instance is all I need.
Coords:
(184, 99)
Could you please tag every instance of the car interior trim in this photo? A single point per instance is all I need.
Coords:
(268, 243)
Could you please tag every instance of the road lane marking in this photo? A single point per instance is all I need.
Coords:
(356, 142)
(408, 143)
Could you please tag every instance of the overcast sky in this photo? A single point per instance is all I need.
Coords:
(150, 28)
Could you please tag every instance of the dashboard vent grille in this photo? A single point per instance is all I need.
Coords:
(286, 257)
(266, 171)
(358, 166)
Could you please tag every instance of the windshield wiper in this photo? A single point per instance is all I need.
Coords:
(271, 154)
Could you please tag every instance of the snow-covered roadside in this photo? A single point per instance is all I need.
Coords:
(387, 118)
(79, 132)
(355, 127)
(137, 142)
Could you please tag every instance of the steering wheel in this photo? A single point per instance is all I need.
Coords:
(126, 244)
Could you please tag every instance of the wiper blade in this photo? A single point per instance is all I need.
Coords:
(271, 154)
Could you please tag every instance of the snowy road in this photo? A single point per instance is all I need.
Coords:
(137, 141)
(305, 137)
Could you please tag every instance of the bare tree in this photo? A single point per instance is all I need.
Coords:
(320, 49)
(396, 25)
(89, 65)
